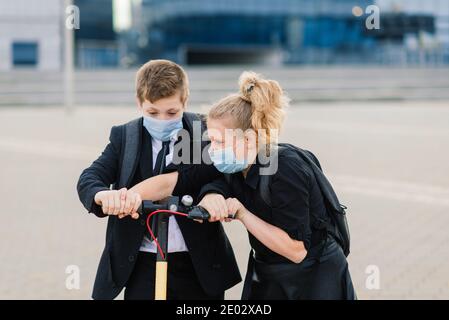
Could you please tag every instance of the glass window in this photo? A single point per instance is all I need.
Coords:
(24, 53)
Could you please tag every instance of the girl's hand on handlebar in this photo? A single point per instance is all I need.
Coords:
(215, 204)
(235, 207)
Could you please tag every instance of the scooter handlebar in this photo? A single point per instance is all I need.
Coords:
(193, 212)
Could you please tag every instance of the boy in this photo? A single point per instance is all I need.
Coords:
(201, 261)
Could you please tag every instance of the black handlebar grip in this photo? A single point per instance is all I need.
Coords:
(148, 206)
(198, 213)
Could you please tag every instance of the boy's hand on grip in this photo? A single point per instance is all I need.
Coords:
(119, 203)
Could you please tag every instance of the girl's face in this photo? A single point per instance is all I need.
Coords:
(224, 134)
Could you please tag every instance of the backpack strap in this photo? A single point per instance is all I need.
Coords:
(130, 151)
(325, 225)
(264, 188)
(319, 223)
(325, 186)
(338, 225)
(191, 117)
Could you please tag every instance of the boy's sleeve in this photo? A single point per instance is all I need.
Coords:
(101, 173)
(191, 178)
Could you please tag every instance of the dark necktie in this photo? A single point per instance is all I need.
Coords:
(158, 169)
(160, 160)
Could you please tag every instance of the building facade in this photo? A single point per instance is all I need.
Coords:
(96, 45)
(414, 31)
(31, 34)
(221, 31)
(292, 31)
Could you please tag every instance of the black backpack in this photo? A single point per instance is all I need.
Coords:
(337, 224)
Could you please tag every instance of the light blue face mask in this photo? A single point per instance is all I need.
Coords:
(225, 160)
(162, 129)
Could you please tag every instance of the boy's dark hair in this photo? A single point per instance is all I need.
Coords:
(159, 79)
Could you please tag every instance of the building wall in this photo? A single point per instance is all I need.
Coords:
(429, 46)
(437, 8)
(161, 9)
(307, 31)
(96, 45)
(96, 19)
(34, 21)
(296, 27)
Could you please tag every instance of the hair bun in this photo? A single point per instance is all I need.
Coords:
(247, 81)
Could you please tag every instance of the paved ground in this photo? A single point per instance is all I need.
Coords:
(388, 162)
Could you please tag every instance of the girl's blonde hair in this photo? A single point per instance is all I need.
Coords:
(259, 105)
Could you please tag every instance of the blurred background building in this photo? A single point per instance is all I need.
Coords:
(292, 31)
(265, 31)
(96, 44)
(269, 32)
(413, 32)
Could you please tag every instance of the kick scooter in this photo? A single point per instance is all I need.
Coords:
(171, 207)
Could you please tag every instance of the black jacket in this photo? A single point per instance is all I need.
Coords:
(208, 245)
(296, 204)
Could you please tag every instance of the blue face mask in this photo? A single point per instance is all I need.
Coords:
(162, 129)
(225, 161)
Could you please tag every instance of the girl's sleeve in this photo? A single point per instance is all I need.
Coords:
(219, 186)
(290, 198)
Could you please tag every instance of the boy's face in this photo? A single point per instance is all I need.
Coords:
(163, 109)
